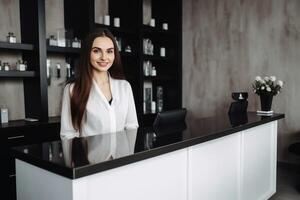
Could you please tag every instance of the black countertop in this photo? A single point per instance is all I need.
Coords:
(81, 157)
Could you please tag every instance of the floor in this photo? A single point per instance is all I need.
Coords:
(287, 179)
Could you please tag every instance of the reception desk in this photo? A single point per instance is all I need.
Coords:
(223, 157)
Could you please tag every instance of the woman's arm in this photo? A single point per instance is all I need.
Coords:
(131, 119)
(66, 128)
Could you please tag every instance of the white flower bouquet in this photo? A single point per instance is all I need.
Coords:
(267, 85)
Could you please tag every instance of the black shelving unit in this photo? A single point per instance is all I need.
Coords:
(66, 50)
(132, 31)
(17, 74)
(15, 46)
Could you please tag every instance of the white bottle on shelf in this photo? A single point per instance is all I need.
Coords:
(153, 107)
(4, 115)
(68, 66)
(153, 71)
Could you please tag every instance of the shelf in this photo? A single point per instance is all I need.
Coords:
(17, 74)
(69, 50)
(23, 123)
(16, 46)
(116, 30)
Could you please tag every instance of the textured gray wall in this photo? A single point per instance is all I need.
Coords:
(227, 43)
(11, 90)
(54, 21)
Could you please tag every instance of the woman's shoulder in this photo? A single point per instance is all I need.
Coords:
(69, 87)
(121, 82)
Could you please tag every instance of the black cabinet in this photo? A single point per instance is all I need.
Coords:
(23, 133)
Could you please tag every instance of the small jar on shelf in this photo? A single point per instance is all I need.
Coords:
(6, 66)
(153, 107)
(148, 47)
(11, 38)
(68, 67)
(21, 65)
(128, 49)
(76, 43)
(147, 65)
(116, 22)
(3, 114)
(52, 41)
(165, 26)
(159, 98)
(153, 71)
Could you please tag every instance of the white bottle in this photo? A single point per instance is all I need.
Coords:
(106, 20)
(117, 22)
(153, 71)
(58, 70)
(68, 66)
(153, 107)
(162, 52)
(4, 115)
(152, 22)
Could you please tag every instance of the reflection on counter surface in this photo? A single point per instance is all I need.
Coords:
(85, 151)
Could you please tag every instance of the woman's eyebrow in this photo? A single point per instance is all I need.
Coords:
(111, 48)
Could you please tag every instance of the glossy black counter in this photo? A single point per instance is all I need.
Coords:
(81, 157)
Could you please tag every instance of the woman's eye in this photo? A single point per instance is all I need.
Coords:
(95, 51)
(110, 51)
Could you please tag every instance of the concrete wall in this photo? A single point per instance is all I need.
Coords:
(10, 22)
(227, 43)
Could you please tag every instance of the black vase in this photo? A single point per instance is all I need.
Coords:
(266, 101)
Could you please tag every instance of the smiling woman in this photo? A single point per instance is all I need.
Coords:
(99, 100)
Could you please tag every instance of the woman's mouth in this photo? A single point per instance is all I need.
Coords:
(102, 64)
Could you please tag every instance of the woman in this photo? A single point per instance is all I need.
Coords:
(99, 100)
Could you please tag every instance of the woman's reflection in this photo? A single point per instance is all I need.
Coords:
(99, 148)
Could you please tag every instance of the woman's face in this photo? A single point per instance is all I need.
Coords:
(102, 54)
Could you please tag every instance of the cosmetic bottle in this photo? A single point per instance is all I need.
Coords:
(52, 41)
(162, 51)
(6, 66)
(128, 49)
(68, 67)
(11, 38)
(106, 20)
(48, 72)
(61, 37)
(152, 22)
(116, 22)
(21, 65)
(165, 26)
(4, 115)
(153, 71)
(76, 43)
(159, 98)
(153, 107)
(58, 70)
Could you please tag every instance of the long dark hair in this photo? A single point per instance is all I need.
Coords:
(84, 75)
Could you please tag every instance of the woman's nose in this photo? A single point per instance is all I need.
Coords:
(103, 56)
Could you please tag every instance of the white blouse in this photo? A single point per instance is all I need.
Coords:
(100, 116)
